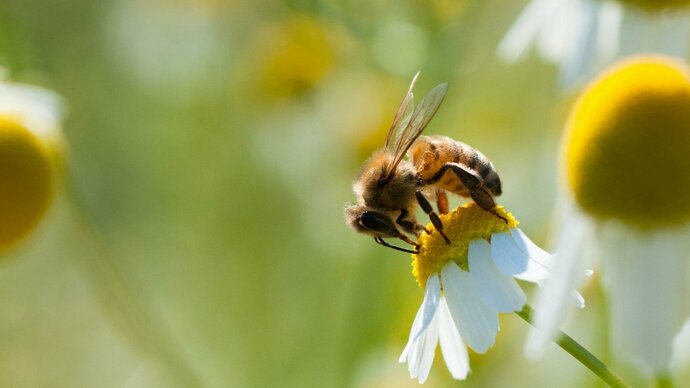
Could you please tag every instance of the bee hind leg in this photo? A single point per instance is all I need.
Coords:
(474, 184)
(442, 201)
(435, 220)
(494, 212)
(482, 198)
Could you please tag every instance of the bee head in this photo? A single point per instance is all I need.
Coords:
(364, 219)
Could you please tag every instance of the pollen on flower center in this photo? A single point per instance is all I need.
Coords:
(656, 5)
(464, 224)
(627, 152)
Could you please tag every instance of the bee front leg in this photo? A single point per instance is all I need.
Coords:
(435, 220)
(381, 241)
(409, 225)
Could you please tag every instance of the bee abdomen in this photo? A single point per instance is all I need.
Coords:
(431, 153)
(478, 162)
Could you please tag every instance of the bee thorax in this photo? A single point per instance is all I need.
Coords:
(394, 192)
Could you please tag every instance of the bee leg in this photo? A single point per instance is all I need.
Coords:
(486, 202)
(407, 240)
(380, 240)
(408, 225)
(419, 228)
(473, 183)
(435, 220)
(494, 212)
(442, 201)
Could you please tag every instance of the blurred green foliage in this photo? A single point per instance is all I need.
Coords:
(199, 239)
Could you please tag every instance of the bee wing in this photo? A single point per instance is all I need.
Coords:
(402, 118)
(419, 119)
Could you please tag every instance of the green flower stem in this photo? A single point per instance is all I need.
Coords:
(580, 353)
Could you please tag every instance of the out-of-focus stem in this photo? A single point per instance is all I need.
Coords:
(580, 353)
(122, 298)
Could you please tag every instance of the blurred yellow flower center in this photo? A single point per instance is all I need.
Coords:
(297, 54)
(464, 224)
(26, 181)
(627, 151)
(656, 5)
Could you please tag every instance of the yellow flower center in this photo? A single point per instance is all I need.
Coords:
(26, 181)
(656, 5)
(464, 224)
(627, 151)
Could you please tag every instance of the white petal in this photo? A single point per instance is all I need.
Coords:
(581, 51)
(453, 349)
(425, 313)
(477, 322)
(432, 295)
(559, 32)
(39, 109)
(610, 18)
(554, 298)
(506, 256)
(416, 324)
(405, 355)
(423, 351)
(578, 300)
(632, 34)
(498, 290)
(681, 348)
(647, 275)
(525, 29)
(515, 254)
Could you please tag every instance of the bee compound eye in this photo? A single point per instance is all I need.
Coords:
(377, 222)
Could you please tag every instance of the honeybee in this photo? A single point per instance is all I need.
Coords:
(389, 187)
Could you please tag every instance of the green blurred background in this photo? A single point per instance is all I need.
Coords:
(199, 240)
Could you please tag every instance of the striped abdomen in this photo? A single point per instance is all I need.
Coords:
(430, 153)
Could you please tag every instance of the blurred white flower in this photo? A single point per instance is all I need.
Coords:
(31, 154)
(38, 109)
(627, 167)
(584, 36)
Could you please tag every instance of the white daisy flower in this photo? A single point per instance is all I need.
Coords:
(627, 173)
(467, 284)
(583, 36)
(31, 152)
(39, 109)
